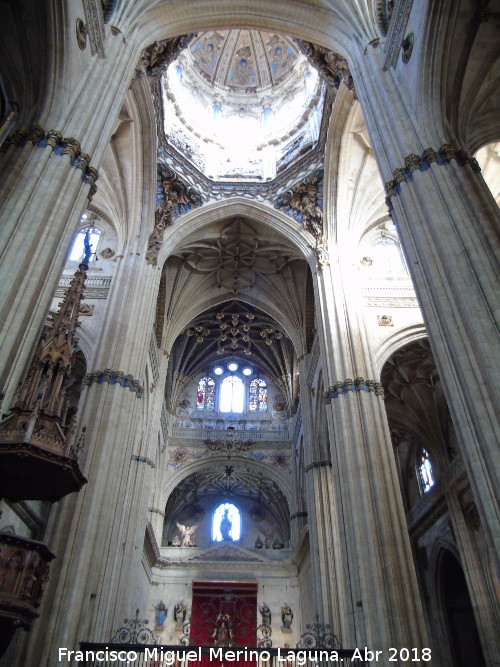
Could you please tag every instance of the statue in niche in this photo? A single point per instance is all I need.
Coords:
(179, 615)
(161, 611)
(265, 614)
(286, 617)
(187, 533)
(225, 526)
(268, 537)
(223, 632)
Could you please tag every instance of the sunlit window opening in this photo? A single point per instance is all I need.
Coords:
(258, 395)
(206, 394)
(230, 514)
(388, 255)
(77, 251)
(232, 394)
(426, 476)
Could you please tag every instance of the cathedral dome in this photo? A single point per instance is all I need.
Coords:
(240, 104)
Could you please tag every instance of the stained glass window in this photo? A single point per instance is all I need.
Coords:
(258, 395)
(232, 394)
(231, 528)
(426, 476)
(206, 394)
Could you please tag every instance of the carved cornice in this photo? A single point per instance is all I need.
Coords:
(358, 384)
(60, 146)
(396, 31)
(114, 377)
(414, 162)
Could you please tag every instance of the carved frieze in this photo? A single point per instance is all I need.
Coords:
(94, 21)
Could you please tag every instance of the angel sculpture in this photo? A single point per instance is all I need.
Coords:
(187, 533)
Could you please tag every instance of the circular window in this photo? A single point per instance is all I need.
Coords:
(232, 366)
(218, 370)
(247, 371)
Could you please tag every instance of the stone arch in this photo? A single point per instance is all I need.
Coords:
(459, 633)
(398, 339)
(331, 28)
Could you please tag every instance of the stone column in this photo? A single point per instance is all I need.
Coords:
(324, 545)
(46, 174)
(376, 576)
(98, 536)
(448, 224)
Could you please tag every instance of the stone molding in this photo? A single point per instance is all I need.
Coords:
(358, 384)
(114, 377)
(414, 162)
(395, 34)
(60, 146)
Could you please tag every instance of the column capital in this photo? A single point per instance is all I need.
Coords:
(358, 384)
(114, 377)
(414, 162)
(60, 146)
